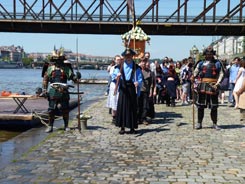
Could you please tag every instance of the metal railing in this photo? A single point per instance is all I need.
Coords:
(157, 17)
(121, 18)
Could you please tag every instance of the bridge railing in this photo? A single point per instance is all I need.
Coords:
(122, 18)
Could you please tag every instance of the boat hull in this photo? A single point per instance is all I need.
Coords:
(38, 109)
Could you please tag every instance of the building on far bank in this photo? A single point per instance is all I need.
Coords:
(228, 47)
(11, 56)
(11, 53)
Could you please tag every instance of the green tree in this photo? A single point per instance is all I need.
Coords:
(6, 58)
(27, 61)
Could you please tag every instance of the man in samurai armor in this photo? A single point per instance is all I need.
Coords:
(58, 72)
(208, 74)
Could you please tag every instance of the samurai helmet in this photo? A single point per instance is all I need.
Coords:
(58, 56)
(209, 50)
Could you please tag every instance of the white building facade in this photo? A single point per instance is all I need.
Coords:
(228, 47)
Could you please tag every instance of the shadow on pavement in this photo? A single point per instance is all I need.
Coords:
(231, 126)
(140, 132)
(166, 117)
(181, 124)
(96, 128)
(163, 120)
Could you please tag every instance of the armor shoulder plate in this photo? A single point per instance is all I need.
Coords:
(50, 69)
(198, 63)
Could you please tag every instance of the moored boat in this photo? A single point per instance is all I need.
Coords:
(37, 110)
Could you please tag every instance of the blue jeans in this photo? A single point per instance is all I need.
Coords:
(231, 97)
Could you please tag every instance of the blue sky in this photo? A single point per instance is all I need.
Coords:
(177, 47)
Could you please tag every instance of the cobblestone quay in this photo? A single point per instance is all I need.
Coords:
(166, 151)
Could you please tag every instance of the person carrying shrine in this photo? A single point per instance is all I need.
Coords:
(128, 78)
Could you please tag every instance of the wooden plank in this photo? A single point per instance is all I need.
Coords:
(93, 81)
(20, 96)
(25, 117)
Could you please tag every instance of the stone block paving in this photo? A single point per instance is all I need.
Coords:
(166, 151)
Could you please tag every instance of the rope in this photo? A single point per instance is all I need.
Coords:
(78, 134)
(42, 118)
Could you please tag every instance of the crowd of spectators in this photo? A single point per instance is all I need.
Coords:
(170, 82)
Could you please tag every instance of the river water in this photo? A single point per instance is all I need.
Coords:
(27, 80)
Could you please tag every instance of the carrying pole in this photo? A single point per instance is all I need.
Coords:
(121, 67)
(78, 93)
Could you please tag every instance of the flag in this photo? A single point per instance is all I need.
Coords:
(132, 10)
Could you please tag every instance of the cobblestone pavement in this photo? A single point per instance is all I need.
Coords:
(166, 151)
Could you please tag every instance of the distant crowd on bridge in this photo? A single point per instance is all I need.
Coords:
(134, 89)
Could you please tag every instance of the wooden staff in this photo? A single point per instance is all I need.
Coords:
(193, 95)
(78, 95)
(193, 104)
(135, 77)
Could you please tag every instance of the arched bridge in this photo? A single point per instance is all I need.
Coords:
(156, 17)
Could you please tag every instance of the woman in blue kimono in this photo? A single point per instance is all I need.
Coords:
(128, 78)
